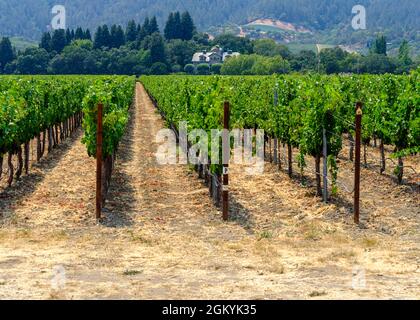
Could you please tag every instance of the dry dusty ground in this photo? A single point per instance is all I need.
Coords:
(162, 238)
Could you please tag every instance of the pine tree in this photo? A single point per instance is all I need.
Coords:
(153, 26)
(98, 42)
(58, 41)
(6, 53)
(404, 54)
(117, 38)
(156, 46)
(88, 36)
(46, 41)
(79, 34)
(69, 38)
(131, 31)
(177, 29)
(106, 37)
(139, 27)
(380, 46)
(169, 27)
(141, 35)
(187, 26)
(146, 26)
(113, 43)
(121, 36)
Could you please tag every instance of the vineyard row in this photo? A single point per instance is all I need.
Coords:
(52, 108)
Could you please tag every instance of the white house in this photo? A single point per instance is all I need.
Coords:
(216, 55)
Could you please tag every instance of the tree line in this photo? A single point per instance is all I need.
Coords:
(142, 48)
(397, 18)
(137, 49)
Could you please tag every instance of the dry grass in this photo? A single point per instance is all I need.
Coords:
(341, 253)
(161, 237)
(315, 294)
(369, 242)
(131, 273)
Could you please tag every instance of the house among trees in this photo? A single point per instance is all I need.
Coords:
(215, 56)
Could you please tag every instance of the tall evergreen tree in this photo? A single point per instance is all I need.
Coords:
(139, 27)
(88, 36)
(79, 34)
(58, 41)
(98, 41)
(187, 26)
(153, 26)
(156, 46)
(106, 37)
(6, 53)
(404, 54)
(169, 27)
(46, 41)
(131, 31)
(177, 27)
(121, 36)
(380, 46)
(117, 36)
(146, 26)
(69, 38)
(141, 35)
(113, 42)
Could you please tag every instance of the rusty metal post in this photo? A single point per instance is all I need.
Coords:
(276, 152)
(226, 156)
(99, 137)
(11, 169)
(38, 147)
(26, 153)
(1, 165)
(276, 141)
(359, 114)
(325, 164)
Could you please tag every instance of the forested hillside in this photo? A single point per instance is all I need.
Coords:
(30, 18)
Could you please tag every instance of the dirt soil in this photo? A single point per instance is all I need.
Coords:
(279, 24)
(162, 238)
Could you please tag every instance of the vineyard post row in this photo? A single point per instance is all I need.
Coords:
(225, 179)
(359, 114)
(304, 106)
(99, 139)
(218, 185)
(325, 166)
(357, 163)
(226, 144)
(49, 109)
(104, 163)
(106, 108)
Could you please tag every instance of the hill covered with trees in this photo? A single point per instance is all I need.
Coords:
(147, 48)
(397, 19)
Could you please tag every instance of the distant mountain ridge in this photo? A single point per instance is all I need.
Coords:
(29, 18)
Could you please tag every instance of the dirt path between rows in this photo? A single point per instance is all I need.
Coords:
(161, 238)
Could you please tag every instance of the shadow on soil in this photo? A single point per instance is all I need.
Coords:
(121, 199)
(27, 184)
(241, 215)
